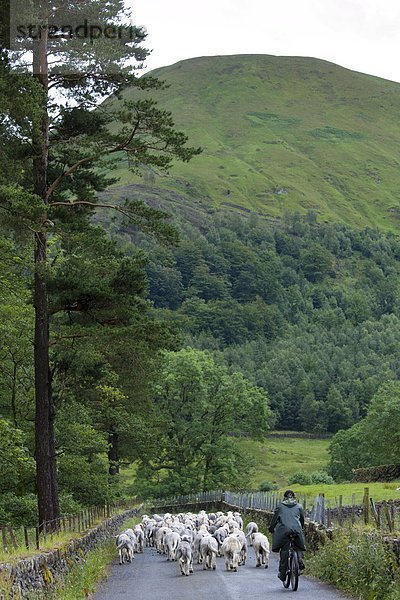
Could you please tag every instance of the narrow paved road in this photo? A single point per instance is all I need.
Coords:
(151, 577)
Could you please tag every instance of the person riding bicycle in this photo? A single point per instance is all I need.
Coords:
(288, 518)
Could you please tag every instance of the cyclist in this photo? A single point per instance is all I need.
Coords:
(288, 518)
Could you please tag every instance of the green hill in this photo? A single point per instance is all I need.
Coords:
(283, 134)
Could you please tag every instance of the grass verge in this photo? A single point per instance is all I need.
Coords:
(358, 562)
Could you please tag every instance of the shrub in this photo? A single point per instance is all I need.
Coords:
(317, 477)
(268, 486)
(322, 477)
(301, 478)
(358, 562)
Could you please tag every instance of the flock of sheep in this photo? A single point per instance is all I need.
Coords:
(201, 537)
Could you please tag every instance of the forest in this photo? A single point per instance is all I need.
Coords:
(292, 325)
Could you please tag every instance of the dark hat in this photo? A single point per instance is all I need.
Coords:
(289, 494)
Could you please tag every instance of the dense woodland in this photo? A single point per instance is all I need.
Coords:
(309, 312)
(301, 313)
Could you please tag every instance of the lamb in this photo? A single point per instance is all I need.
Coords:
(171, 543)
(261, 548)
(231, 548)
(125, 548)
(208, 552)
(185, 556)
(250, 529)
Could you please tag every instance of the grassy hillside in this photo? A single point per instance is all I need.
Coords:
(280, 457)
(284, 133)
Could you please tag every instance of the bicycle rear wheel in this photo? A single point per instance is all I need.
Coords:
(294, 571)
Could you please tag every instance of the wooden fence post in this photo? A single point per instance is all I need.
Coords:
(366, 505)
(37, 538)
(376, 513)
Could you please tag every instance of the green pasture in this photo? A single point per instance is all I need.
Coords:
(280, 457)
(377, 491)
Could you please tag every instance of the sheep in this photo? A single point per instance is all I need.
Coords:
(125, 548)
(171, 543)
(250, 529)
(231, 548)
(197, 541)
(238, 519)
(185, 556)
(243, 542)
(261, 548)
(208, 551)
(138, 531)
(149, 533)
(131, 534)
(220, 534)
(159, 539)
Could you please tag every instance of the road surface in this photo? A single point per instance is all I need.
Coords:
(152, 577)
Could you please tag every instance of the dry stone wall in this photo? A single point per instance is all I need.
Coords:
(39, 573)
(383, 473)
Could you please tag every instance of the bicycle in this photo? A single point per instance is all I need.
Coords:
(293, 569)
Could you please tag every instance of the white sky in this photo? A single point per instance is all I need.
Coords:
(363, 35)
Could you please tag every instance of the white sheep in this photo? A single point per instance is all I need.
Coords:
(261, 548)
(220, 534)
(250, 529)
(125, 548)
(171, 542)
(185, 556)
(243, 543)
(197, 541)
(230, 549)
(131, 534)
(209, 551)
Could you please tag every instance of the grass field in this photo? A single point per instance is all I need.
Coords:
(280, 457)
(281, 134)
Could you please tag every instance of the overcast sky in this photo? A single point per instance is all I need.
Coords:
(363, 35)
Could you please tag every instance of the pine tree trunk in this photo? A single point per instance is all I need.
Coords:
(43, 448)
(46, 475)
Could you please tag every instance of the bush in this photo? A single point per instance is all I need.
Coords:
(301, 478)
(358, 562)
(322, 477)
(267, 486)
(317, 477)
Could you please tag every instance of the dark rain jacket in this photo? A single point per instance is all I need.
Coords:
(288, 516)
